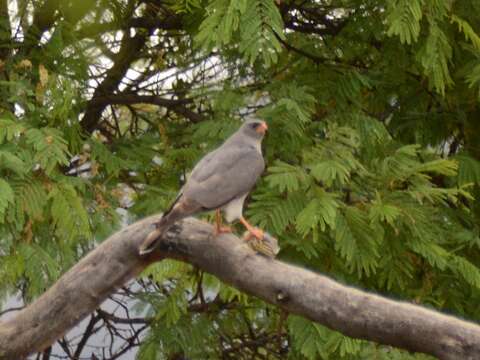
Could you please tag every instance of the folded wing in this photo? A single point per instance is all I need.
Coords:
(223, 175)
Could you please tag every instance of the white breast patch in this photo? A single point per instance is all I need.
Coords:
(233, 210)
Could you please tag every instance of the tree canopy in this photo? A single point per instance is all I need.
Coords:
(373, 157)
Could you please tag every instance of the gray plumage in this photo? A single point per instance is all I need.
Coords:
(221, 180)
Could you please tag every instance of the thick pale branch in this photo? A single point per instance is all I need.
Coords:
(350, 311)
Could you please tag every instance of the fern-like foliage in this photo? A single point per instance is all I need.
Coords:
(260, 26)
(49, 146)
(404, 19)
(255, 23)
(6, 198)
(434, 57)
(66, 200)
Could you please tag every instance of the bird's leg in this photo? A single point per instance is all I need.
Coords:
(219, 229)
(258, 233)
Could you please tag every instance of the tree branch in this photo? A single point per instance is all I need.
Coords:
(315, 20)
(86, 335)
(43, 19)
(128, 53)
(353, 312)
(168, 22)
(177, 106)
(5, 33)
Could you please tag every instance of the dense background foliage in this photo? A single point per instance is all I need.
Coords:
(373, 157)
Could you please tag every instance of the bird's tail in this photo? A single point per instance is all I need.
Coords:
(168, 219)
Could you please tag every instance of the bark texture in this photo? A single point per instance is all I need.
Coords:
(348, 310)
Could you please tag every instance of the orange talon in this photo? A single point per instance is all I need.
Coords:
(258, 233)
(219, 229)
(223, 230)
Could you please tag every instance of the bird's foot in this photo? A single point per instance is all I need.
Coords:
(267, 245)
(222, 230)
(255, 232)
(219, 228)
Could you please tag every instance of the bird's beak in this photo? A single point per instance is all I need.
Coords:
(262, 129)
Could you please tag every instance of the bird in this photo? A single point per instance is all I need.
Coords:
(220, 181)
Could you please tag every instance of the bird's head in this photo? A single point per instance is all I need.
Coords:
(255, 129)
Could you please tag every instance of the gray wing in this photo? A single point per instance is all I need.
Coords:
(223, 175)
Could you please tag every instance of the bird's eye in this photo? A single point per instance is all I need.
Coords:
(254, 125)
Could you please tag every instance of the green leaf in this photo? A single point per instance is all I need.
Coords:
(274, 212)
(314, 341)
(285, 176)
(70, 219)
(318, 214)
(31, 198)
(260, 26)
(223, 19)
(6, 198)
(434, 57)
(10, 130)
(40, 268)
(404, 19)
(330, 171)
(468, 170)
(467, 30)
(358, 241)
(112, 163)
(409, 150)
(12, 162)
(173, 307)
(464, 268)
(381, 212)
(50, 148)
(440, 166)
(436, 255)
(166, 270)
(307, 337)
(473, 77)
